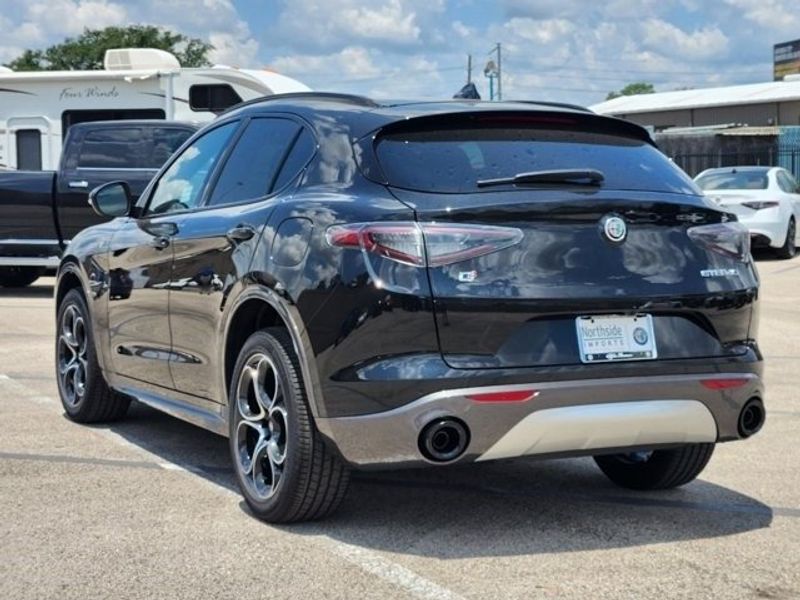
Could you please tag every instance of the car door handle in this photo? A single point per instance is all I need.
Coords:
(240, 233)
(79, 185)
(160, 242)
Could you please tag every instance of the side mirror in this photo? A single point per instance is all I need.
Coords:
(111, 199)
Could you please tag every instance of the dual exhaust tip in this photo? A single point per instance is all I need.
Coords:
(444, 439)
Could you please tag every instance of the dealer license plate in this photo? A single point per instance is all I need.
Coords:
(609, 338)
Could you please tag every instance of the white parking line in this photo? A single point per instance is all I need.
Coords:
(368, 561)
(373, 563)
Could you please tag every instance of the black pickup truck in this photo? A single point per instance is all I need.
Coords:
(40, 211)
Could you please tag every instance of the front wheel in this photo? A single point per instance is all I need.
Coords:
(283, 467)
(84, 393)
(658, 469)
(18, 277)
(789, 248)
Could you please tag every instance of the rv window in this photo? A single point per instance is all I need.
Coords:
(121, 148)
(213, 97)
(165, 141)
(251, 168)
(29, 150)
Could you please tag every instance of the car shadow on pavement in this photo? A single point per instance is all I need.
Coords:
(501, 508)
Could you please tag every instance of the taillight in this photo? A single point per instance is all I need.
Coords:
(421, 244)
(729, 239)
(761, 204)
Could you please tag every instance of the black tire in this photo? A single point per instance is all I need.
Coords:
(657, 470)
(789, 248)
(93, 401)
(19, 277)
(311, 480)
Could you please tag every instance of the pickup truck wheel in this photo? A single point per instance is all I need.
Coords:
(656, 470)
(18, 277)
(789, 248)
(84, 393)
(283, 467)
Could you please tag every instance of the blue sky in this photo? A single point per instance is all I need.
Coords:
(566, 50)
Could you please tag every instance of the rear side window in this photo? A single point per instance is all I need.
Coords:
(122, 148)
(453, 160)
(733, 180)
(787, 182)
(253, 164)
(301, 153)
(165, 141)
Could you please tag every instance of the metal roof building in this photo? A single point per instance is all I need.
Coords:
(775, 103)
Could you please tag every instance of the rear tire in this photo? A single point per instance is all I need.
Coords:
(284, 469)
(19, 277)
(83, 390)
(789, 248)
(656, 470)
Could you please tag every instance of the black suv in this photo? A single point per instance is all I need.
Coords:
(335, 283)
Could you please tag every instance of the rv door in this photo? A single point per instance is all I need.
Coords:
(30, 144)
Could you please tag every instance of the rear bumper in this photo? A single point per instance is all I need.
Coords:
(767, 229)
(561, 418)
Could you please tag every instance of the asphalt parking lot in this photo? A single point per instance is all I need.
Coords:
(148, 508)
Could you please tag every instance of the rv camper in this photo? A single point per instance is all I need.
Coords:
(37, 108)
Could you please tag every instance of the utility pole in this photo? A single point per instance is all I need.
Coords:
(499, 72)
(494, 70)
(469, 68)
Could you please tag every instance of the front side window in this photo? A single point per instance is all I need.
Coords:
(181, 185)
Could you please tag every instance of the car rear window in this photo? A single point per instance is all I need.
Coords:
(733, 180)
(454, 160)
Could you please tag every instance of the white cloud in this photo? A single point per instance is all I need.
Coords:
(773, 15)
(71, 17)
(661, 36)
(324, 24)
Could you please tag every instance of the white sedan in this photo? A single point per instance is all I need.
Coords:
(765, 199)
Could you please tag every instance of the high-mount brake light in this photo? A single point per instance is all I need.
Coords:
(424, 244)
(731, 239)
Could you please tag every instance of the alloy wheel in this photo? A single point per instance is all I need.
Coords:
(72, 355)
(261, 432)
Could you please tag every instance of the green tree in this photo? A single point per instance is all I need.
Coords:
(632, 89)
(86, 51)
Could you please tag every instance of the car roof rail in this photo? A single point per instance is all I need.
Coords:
(330, 96)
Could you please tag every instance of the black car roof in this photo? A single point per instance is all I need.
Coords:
(364, 115)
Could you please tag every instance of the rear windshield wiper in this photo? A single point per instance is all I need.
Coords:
(568, 176)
